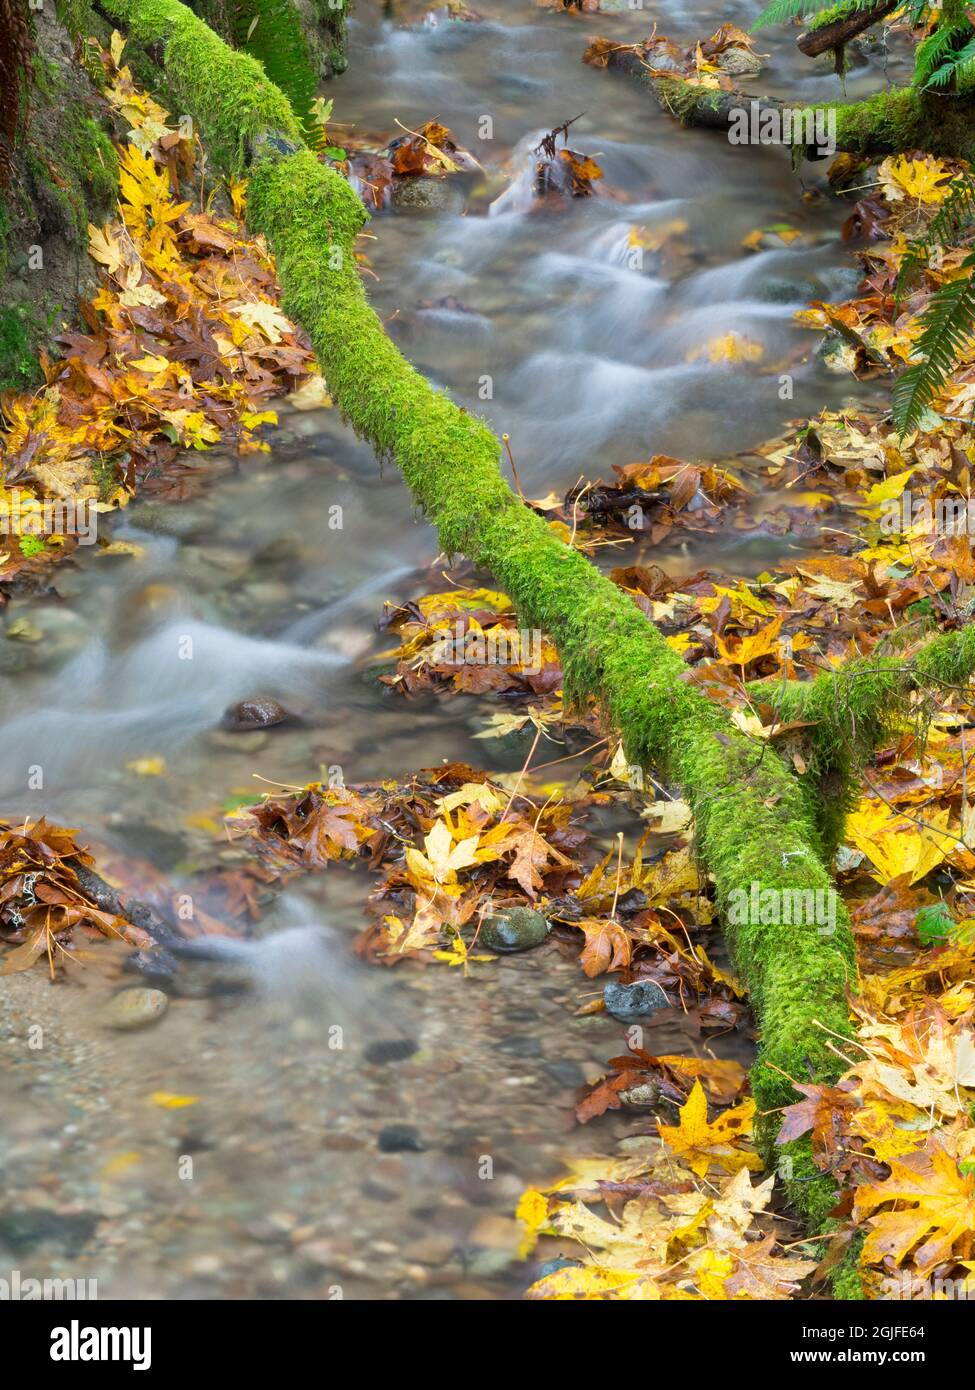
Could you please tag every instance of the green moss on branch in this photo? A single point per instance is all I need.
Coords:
(854, 710)
(226, 92)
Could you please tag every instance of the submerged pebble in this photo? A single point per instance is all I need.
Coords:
(135, 1008)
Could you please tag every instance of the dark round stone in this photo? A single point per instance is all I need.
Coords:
(390, 1050)
(260, 713)
(400, 1139)
(638, 1000)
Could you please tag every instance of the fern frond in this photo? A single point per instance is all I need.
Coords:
(948, 324)
(932, 51)
(784, 11)
(960, 66)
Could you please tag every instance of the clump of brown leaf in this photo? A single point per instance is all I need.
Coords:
(42, 905)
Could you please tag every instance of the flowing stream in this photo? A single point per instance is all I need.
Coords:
(539, 321)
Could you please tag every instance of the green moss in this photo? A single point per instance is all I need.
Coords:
(272, 32)
(904, 119)
(227, 93)
(857, 709)
(19, 369)
(94, 157)
(682, 99)
(830, 16)
(332, 16)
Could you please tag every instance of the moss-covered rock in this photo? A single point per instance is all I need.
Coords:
(65, 175)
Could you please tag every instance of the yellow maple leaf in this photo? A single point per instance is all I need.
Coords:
(700, 1143)
(926, 179)
(936, 1210)
(895, 845)
(532, 1212)
(729, 347)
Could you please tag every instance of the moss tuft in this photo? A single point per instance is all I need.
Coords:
(226, 92)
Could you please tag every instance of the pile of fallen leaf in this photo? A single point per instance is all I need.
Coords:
(184, 343)
(454, 846)
(709, 63)
(683, 1220)
(43, 908)
(430, 151)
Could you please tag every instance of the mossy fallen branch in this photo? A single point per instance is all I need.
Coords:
(755, 824)
(888, 122)
(854, 710)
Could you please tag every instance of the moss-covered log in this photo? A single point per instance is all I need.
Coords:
(756, 828)
(903, 118)
(854, 710)
(835, 27)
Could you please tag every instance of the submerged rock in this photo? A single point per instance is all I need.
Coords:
(136, 1008)
(516, 929)
(427, 193)
(638, 1000)
(398, 1139)
(259, 713)
(739, 62)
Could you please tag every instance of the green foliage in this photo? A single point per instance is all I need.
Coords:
(784, 11)
(31, 545)
(933, 924)
(18, 364)
(935, 49)
(958, 69)
(947, 324)
(272, 32)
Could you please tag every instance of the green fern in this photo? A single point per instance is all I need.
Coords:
(784, 11)
(936, 48)
(959, 67)
(948, 323)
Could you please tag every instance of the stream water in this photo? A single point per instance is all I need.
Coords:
(586, 359)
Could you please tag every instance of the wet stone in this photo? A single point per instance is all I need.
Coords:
(389, 1050)
(135, 1008)
(396, 1139)
(637, 1000)
(520, 1045)
(518, 929)
(259, 713)
(31, 1227)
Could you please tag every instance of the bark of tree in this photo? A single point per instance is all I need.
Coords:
(812, 42)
